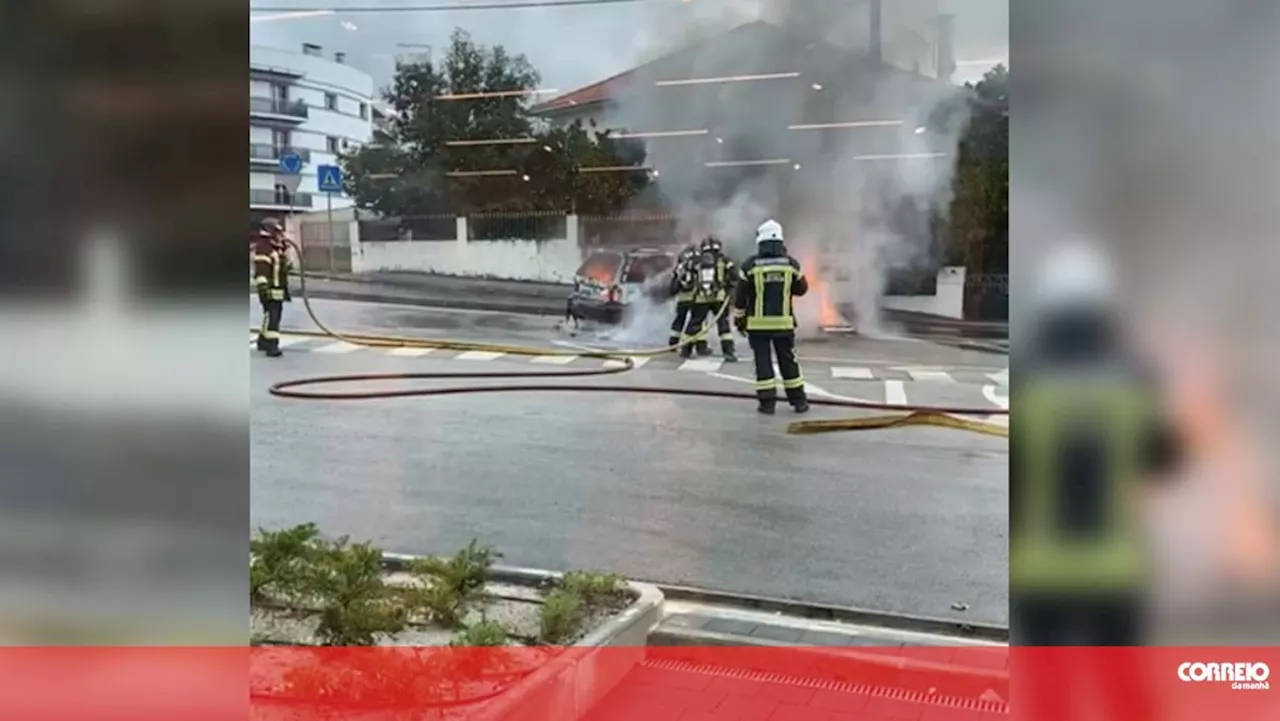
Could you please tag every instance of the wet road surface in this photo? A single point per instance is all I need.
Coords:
(680, 490)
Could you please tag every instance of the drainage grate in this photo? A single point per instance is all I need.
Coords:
(896, 694)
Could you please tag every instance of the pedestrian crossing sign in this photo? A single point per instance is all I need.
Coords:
(329, 178)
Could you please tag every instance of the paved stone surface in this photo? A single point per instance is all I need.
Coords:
(677, 490)
(659, 691)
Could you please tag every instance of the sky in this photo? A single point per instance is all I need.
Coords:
(570, 46)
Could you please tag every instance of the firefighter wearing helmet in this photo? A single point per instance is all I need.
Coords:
(271, 279)
(763, 309)
(682, 288)
(1092, 432)
(710, 282)
(726, 279)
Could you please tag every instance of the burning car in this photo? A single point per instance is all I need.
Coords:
(608, 282)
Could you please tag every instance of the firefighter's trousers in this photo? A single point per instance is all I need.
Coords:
(698, 313)
(682, 317)
(764, 345)
(269, 332)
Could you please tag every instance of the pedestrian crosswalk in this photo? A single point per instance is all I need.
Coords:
(893, 375)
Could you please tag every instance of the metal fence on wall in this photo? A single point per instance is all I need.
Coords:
(430, 228)
(630, 230)
(534, 225)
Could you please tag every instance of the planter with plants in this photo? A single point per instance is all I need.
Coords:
(377, 631)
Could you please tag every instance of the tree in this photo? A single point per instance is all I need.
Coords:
(980, 208)
(443, 114)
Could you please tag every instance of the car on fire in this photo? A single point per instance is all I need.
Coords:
(611, 281)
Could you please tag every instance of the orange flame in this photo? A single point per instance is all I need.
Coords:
(821, 295)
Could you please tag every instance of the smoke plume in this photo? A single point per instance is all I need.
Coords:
(854, 200)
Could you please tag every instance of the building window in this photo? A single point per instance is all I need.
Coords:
(331, 101)
(332, 143)
(364, 111)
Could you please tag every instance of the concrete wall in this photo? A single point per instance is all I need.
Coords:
(552, 261)
(947, 302)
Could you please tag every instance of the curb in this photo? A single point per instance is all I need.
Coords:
(524, 289)
(842, 614)
(452, 303)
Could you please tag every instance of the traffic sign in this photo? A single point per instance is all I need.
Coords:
(290, 163)
(329, 178)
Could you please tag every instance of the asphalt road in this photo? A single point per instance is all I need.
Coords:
(701, 492)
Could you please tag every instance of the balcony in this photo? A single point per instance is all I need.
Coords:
(263, 154)
(259, 198)
(280, 111)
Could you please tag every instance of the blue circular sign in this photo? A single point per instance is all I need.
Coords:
(290, 163)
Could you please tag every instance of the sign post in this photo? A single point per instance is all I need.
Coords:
(289, 176)
(329, 181)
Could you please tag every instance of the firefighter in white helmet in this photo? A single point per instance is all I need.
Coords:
(763, 309)
(1091, 433)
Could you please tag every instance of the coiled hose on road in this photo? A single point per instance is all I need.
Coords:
(902, 415)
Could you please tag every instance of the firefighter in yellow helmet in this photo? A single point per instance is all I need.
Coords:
(271, 278)
(1089, 431)
(763, 300)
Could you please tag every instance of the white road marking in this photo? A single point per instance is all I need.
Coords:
(479, 355)
(808, 387)
(895, 393)
(1001, 377)
(860, 374)
(339, 347)
(554, 360)
(636, 361)
(702, 365)
(927, 374)
(989, 392)
(410, 352)
(288, 340)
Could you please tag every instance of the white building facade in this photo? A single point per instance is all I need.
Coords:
(308, 102)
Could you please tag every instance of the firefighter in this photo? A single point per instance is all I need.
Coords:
(762, 309)
(727, 276)
(698, 281)
(682, 288)
(1091, 433)
(271, 277)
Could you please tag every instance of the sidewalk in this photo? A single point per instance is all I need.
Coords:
(739, 686)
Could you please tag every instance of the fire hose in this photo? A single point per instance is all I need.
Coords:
(960, 418)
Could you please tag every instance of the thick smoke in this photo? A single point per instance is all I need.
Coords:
(850, 214)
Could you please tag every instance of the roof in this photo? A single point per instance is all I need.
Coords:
(611, 87)
(603, 90)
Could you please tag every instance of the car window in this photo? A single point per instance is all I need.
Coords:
(644, 267)
(601, 267)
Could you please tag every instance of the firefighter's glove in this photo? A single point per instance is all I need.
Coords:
(264, 295)
(741, 324)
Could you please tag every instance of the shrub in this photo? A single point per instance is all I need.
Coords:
(594, 588)
(436, 602)
(483, 633)
(282, 563)
(562, 616)
(356, 605)
(466, 571)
